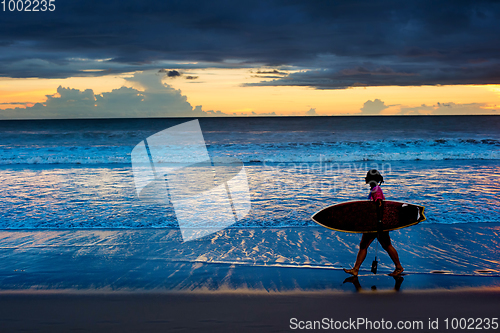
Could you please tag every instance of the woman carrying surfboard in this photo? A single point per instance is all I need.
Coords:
(375, 179)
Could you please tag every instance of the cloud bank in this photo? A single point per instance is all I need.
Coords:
(373, 107)
(311, 112)
(377, 107)
(321, 44)
(155, 99)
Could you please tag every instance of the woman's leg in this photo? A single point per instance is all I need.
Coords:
(366, 240)
(385, 241)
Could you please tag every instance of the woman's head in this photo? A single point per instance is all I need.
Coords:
(373, 177)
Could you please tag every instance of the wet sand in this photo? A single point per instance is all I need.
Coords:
(252, 280)
(286, 259)
(237, 311)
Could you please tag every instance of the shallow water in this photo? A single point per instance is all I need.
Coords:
(282, 195)
(285, 259)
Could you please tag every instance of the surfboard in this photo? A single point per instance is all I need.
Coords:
(361, 216)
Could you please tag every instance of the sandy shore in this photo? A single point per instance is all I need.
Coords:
(286, 259)
(238, 311)
(253, 280)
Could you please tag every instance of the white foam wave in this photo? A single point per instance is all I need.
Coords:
(311, 152)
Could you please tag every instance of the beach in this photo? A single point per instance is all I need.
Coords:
(249, 166)
(132, 281)
(242, 312)
(265, 260)
(81, 251)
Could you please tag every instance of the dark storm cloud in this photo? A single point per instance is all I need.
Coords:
(335, 44)
(269, 74)
(173, 74)
(407, 74)
(276, 72)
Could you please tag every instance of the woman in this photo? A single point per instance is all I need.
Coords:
(375, 179)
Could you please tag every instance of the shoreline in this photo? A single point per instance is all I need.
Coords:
(240, 280)
(242, 292)
(272, 260)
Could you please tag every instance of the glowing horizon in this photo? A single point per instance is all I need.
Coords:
(223, 90)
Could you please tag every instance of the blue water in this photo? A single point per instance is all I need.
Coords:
(77, 173)
(292, 139)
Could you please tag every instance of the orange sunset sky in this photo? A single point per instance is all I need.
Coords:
(222, 90)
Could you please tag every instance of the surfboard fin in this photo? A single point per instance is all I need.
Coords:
(374, 266)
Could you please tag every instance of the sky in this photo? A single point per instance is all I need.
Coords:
(107, 59)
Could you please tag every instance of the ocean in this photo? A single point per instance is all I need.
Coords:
(68, 186)
(65, 174)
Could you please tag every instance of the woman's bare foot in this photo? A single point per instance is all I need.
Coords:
(397, 271)
(351, 271)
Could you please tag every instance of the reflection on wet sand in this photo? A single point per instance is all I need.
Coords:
(355, 281)
(272, 260)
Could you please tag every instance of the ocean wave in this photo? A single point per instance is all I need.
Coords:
(285, 152)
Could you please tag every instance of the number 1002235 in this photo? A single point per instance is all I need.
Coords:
(28, 5)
